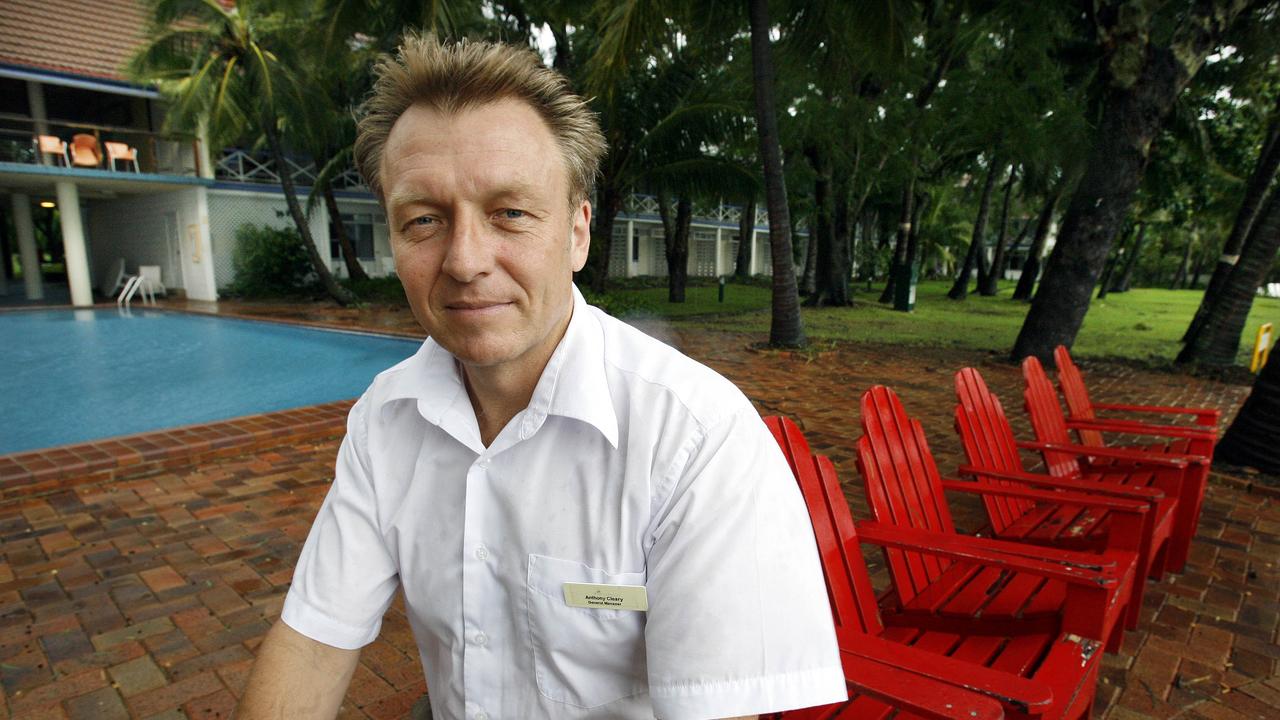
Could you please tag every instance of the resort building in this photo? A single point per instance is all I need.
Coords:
(84, 160)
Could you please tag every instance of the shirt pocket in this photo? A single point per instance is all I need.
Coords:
(584, 657)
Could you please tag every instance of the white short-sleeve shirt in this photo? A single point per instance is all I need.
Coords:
(632, 465)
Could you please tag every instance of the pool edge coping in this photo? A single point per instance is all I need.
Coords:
(31, 473)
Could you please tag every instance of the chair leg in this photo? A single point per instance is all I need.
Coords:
(1188, 517)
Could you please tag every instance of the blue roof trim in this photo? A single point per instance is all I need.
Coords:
(72, 173)
(87, 82)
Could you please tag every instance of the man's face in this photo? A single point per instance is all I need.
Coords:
(484, 239)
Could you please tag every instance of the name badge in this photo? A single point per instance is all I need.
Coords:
(606, 597)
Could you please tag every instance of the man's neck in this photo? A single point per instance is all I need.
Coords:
(497, 395)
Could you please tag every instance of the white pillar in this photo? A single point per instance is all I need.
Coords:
(752, 264)
(633, 263)
(77, 255)
(27, 247)
(719, 253)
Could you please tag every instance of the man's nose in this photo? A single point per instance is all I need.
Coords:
(468, 255)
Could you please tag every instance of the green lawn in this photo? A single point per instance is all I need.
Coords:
(1142, 324)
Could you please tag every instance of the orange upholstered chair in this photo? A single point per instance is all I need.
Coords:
(85, 151)
(52, 145)
(120, 152)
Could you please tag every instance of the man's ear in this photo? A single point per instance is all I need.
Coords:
(580, 238)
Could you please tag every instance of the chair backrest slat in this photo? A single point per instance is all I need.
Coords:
(1047, 419)
(988, 441)
(848, 582)
(1076, 395)
(902, 485)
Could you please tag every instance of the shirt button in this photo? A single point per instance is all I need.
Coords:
(482, 715)
(482, 552)
(481, 640)
(483, 463)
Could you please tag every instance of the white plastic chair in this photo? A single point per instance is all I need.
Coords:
(114, 279)
(150, 275)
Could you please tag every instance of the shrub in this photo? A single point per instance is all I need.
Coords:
(271, 262)
(381, 290)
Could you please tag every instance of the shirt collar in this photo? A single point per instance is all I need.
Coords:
(572, 385)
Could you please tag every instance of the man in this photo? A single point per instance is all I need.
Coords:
(585, 523)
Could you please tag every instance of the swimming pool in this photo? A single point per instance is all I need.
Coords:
(69, 376)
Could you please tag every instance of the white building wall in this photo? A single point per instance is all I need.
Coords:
(168, 229)
(229, 209)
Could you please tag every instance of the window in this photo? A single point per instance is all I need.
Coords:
(360, 229)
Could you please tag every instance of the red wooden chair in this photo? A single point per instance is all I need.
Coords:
(1031, 671)
(905, 490)
(993, 454)
(1198, 439)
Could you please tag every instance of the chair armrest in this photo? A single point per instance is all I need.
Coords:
(1132, 427)
(1028, 696)
(960, 548)
(1105, 502)
(1071, 558)
(1204, 416)
(876, 674)
(1134, 456)
(1093, 490)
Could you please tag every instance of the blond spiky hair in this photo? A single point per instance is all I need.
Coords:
(455, 76)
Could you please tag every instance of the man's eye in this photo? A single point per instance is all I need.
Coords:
(424, 220)
(511, 214)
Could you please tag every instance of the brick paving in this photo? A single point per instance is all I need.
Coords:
(144, 594)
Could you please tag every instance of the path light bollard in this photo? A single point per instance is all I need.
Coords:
(720, 297)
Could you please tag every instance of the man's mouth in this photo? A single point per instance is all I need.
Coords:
(476, 305)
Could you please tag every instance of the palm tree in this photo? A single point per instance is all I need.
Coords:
(785, 329)
(1144, 72)
(1250, 441)
(223, 67)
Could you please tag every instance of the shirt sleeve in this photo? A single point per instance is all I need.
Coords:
(739, 622)
(346, 576)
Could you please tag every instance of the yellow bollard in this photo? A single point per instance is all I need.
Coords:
(1261, 348)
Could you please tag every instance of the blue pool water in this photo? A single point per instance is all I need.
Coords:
(74, 375)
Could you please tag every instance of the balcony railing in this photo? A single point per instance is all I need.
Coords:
(159, 153)
(238, 165)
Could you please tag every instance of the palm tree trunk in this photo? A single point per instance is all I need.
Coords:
(913, 247)
(1134, 107)
(1250, 441)
(990, 284)
(602, 239)
(1031, 268)
(676, 232)
(1130, 261)
(355, 270)
(960, 288)
(786, 329)
(340, 295)
(1255, 193)
(1180, 277)
(822, 235)
(1219, 336)
(746, 240)
(838, 290)
(1104, 284)
(901, 241)
(808, 278)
